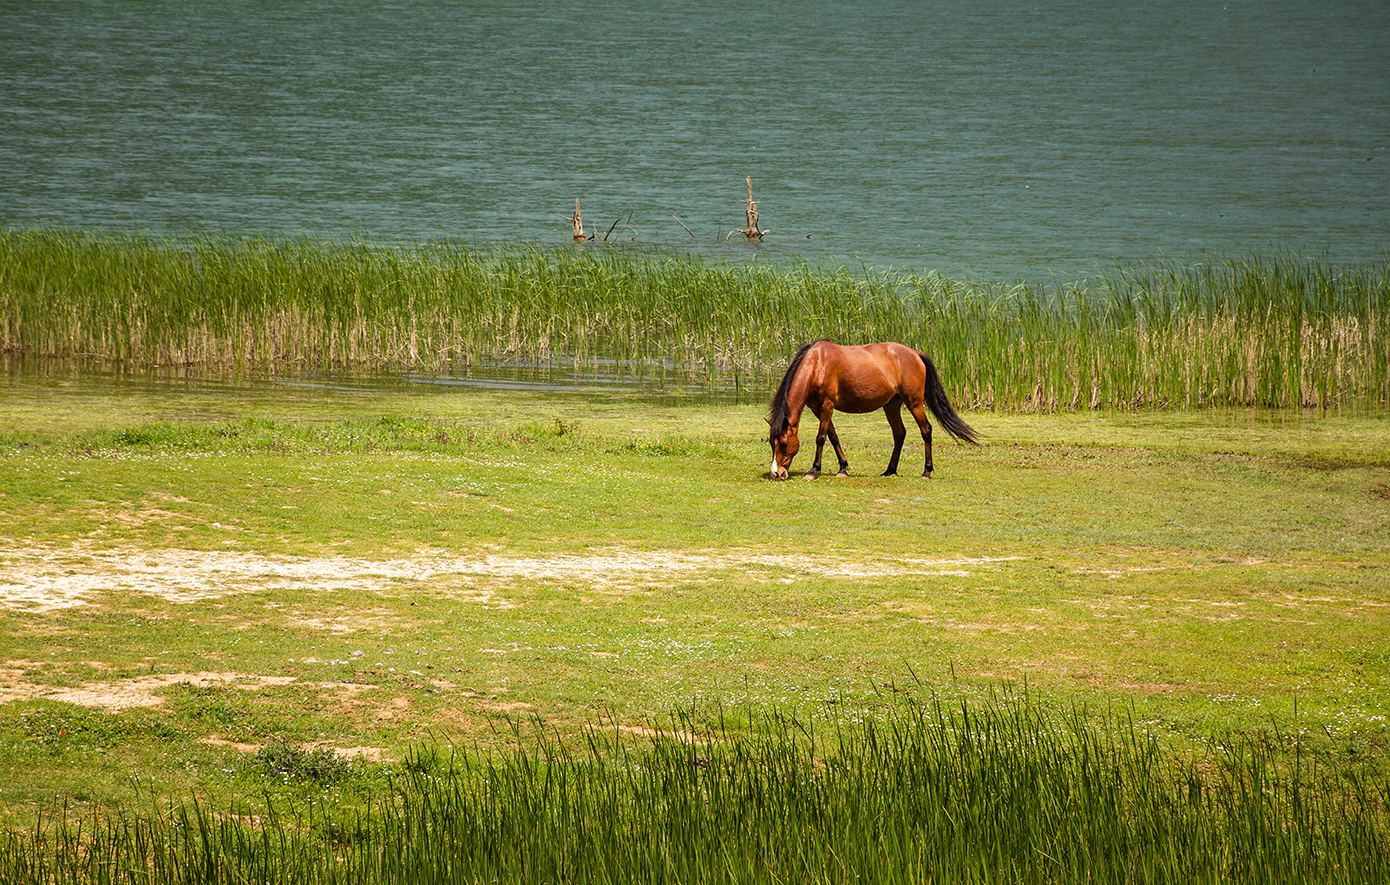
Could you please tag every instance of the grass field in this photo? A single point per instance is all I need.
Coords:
(199, 586)
(258, 630)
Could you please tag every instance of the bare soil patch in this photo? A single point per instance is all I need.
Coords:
(123, 694)
(39, 579)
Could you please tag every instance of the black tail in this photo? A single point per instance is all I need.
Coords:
(935, 396)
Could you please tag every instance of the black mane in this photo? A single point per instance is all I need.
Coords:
(779, 413)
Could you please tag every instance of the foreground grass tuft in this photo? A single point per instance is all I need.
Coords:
(1000, 790)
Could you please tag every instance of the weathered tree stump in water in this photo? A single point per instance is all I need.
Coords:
(752, 231)
(577, 222)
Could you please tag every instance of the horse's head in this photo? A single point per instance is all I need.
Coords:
(784, 447)
(784, 413)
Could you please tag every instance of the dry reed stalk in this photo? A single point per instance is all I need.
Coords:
(682, 224)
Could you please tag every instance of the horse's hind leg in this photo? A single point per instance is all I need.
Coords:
(893, 411)
(920, 414)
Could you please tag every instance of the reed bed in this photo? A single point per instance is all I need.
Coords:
(1280, 331)
(1003, 790)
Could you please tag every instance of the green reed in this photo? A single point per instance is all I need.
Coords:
(1000, 790)
(1278, 331)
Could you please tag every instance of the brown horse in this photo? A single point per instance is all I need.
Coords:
(825, 376)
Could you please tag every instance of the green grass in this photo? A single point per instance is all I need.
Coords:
(376, 572)
(1278, 331)
(1000, 790)
(258, 632)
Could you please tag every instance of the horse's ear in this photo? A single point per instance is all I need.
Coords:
(769, 421)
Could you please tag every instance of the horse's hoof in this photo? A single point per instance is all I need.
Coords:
(812, 475)
(842, 473)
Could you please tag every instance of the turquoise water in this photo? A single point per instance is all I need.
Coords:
(978, 139)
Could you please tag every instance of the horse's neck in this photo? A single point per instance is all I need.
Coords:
(797, 395)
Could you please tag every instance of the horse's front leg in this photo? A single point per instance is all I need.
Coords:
(827, 431)
(839, 452)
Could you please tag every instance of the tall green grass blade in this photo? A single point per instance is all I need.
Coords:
(1280, 332)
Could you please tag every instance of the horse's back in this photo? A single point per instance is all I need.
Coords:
(864, 377)
(887, 359)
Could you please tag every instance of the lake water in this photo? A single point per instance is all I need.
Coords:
(980, 139)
